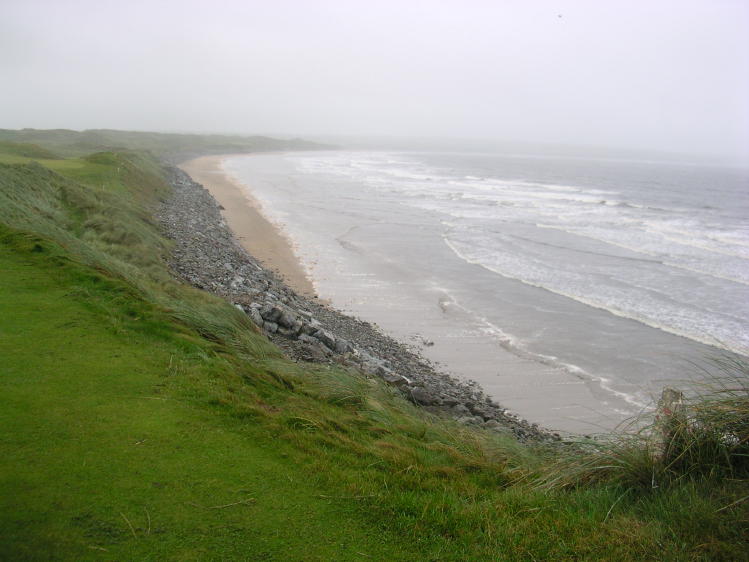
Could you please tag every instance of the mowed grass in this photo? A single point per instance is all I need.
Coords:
(142, 419)
(105, 171)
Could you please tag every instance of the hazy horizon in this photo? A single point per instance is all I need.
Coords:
(669, 76)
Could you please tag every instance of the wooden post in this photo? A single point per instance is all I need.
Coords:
(670, 420)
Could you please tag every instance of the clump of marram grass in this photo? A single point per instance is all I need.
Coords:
(704, 434)
(709, 436)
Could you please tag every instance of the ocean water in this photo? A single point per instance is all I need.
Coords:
(571, 289)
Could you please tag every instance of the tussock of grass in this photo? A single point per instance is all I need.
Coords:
(709, 436)
(705, 437)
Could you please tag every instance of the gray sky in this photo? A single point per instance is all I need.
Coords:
(663, 74)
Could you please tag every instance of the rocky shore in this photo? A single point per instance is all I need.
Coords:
(207, 256)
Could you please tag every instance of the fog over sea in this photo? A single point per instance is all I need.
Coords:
(572, 289)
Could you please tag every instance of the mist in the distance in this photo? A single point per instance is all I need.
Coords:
(668, 75)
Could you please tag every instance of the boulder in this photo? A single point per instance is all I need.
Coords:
(459, 410)
(254, 315)
(314, 347)
(311, 326)
(304, 338)
(286, 318)
(422, 396)
(270, 312)
(342, 346)
(396, 380)
(480, 411)
(325, 337)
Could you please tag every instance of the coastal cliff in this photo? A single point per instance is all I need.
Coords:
(144, 418)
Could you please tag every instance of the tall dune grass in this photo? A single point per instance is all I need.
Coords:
(703, 436)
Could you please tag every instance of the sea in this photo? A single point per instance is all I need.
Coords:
(572, 289)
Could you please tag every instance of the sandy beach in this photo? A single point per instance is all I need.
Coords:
(261, 238)
(379, 261)
(207, 255)
(374, 255)
(395, 239)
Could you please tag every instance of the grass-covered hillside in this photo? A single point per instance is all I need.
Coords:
(67, 143)
(142, 419)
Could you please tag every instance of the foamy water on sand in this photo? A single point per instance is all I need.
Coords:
(571, 289)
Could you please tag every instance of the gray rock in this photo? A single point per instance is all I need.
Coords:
(314, 347)
(309, 339)
(381, 371)
(254, 315)
(286, 318)
(270, 312)
(459, 410)
(422, 396)
(325, 337)
(479, 410)
(342, 346)
(396, 380)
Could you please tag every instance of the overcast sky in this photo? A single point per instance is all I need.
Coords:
(664, 74)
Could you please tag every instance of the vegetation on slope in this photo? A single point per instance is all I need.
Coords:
(78, 143)
(144, 419)
(25, 150)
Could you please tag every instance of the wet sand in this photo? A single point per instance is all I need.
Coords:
(388, 265)
(242, 212)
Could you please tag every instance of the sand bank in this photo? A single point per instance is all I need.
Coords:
(243, 213)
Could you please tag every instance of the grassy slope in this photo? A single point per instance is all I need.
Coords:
(94, 437)
(26, 150)
(128, 398)
(77, 143)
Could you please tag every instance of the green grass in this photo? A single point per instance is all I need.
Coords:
(68, 143)
(25, 150)
(95, 440)
(151, 420)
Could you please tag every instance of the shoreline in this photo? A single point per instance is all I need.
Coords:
(261, 238)
(351, 246)
(208, 256)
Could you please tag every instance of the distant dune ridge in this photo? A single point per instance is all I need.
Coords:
(173, 146)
